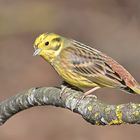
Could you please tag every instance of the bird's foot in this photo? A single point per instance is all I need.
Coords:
(66, 85)
(63, 88)
(87, 94)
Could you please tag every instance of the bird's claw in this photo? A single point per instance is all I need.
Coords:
(83, 96)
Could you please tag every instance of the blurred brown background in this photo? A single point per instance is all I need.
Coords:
(113, 25)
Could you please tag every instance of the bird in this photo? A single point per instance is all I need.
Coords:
(83, 66)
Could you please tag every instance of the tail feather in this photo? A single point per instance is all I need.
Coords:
(135, 90)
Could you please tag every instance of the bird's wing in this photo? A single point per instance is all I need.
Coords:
(91, 63)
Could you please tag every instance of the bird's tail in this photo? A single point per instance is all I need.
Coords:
(135, 90)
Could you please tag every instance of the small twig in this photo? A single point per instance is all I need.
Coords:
(91, 109)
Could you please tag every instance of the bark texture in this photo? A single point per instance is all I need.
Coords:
(90, 108)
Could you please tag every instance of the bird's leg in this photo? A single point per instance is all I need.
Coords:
(88, 93)
(67, 85)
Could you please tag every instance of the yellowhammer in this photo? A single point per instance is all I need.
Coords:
(83, 66)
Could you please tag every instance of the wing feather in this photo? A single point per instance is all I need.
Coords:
(91, 63)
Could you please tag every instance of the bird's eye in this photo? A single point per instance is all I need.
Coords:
(47, 43)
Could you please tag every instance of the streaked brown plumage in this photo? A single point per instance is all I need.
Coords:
(83, 66)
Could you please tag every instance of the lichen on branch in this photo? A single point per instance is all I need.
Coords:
(90, 108)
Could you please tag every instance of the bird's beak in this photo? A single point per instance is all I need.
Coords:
(37, 51)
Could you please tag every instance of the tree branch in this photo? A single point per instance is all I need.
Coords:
(91, 109)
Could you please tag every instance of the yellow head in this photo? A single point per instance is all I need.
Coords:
(48, 46)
